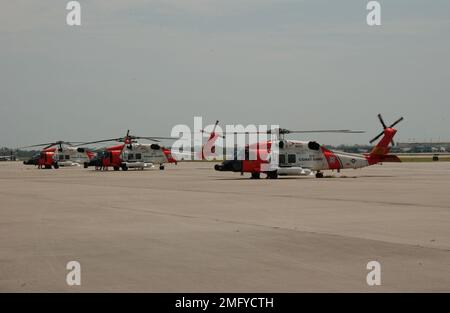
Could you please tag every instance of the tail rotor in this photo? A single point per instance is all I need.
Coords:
(385, 127)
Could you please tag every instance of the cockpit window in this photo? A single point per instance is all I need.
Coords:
(312, 145)
(291, 158)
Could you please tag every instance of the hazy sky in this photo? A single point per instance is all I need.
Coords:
(148, 65)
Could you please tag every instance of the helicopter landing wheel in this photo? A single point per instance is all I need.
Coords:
(256, 176)
(319, 175)
(161, 167)
(272, 175)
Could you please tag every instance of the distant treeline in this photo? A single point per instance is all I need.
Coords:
(395, 149)
(361, 148)
(21, 154)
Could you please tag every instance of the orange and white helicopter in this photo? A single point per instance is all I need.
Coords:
(59, 153)
(302, 158)
(131, 154)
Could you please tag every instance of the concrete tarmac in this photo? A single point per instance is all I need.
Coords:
(191, 229)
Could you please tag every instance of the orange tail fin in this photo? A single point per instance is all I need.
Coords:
(380, 152)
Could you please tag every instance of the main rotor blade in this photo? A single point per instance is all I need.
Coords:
(287, 131)
(159, 137)
(98, 141)
(39, 145)
(73, 143)
(147, 138)
(396, 122)
(67, 143)
(154, 138)
(50, 144)
(382, 121)
(344, 131)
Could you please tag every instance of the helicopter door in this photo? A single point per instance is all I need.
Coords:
(282, 159)
(292, 158)
(110, 155)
